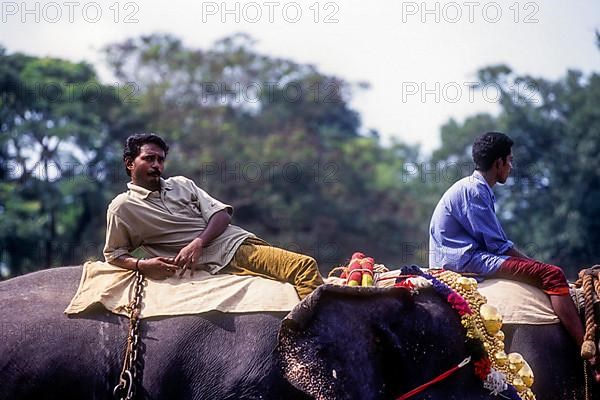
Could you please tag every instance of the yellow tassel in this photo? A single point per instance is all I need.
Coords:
(588, 350)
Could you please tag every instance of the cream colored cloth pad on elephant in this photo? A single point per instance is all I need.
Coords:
(517, 302)
(113, 288)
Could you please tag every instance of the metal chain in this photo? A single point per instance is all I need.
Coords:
(125, 389)
(586, 385)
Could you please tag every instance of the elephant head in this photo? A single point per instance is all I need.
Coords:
(367, 343)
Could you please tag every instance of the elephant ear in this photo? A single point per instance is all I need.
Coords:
(325, 344)
(302, 366)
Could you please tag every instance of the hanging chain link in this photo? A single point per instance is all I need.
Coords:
(125, 389)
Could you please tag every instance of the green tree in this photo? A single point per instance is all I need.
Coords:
(57, 123)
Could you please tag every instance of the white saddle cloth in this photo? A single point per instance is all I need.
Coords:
(112, 287)
(518, 303)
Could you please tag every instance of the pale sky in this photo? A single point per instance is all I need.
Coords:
(419, 68)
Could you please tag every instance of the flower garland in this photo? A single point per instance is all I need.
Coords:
(497, 371)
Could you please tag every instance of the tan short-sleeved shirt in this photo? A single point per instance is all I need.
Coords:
(163, 222)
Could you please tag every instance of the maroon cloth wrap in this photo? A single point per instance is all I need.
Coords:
(549, 277)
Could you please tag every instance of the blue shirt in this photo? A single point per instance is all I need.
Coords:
(465, 234)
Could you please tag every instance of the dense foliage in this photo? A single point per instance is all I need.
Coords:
(279, 141)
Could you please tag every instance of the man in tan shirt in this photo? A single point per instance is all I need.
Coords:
(181, 227)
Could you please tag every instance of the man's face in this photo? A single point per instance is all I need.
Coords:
(147, 167)
(505, 168)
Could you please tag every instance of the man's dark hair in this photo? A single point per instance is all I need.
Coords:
(489, 147)
(134, 142)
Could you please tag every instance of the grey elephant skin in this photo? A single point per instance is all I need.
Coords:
(554, 358)
(357, 344)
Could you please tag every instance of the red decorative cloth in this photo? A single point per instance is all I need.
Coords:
(549, 277)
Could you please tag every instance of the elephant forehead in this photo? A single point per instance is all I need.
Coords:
(326, 344)
(327, 294)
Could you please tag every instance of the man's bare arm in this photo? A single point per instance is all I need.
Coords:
(156, 268)
(190, 254)
(125, 261)
(215, 227)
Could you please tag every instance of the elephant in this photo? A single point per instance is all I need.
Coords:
(356, 343)
(554, 358)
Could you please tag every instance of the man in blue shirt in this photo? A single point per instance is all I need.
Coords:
(466, 236)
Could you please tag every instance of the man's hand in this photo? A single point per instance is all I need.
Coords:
(189, 255)
(158, 267)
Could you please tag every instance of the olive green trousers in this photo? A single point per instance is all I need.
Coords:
(257, 258)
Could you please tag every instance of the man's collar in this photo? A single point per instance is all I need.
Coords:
(477, 175)
(143, 193)
(165, 184)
